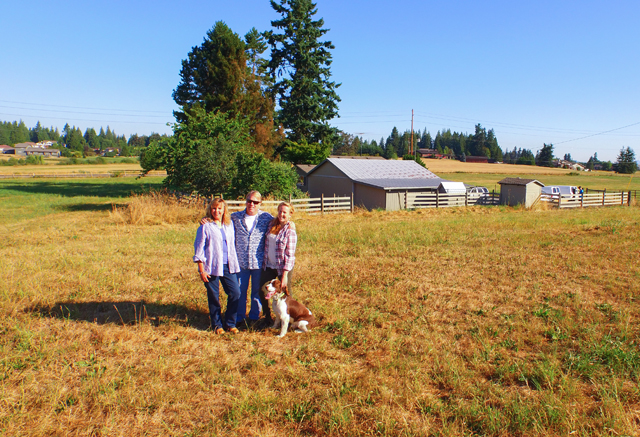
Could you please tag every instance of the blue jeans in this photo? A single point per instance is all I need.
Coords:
(243, 280)
(230, 285)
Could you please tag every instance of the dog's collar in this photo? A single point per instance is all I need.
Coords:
(275, 294)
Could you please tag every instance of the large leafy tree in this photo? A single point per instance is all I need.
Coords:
(215, 77)
(201, 154)
(626, 162)
(210, 153)
(300, 70)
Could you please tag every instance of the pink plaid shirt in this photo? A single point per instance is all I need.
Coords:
(286, 241)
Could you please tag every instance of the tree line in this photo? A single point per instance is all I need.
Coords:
(453, 144)
(72, 142)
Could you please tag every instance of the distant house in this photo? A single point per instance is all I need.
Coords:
(7, 150)
(110, 151)
(21, 148)
(517, 191)
(562, 163)
(434, 154)
(373, 183)
(40, 151)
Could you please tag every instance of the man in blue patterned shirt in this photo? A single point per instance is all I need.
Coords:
(251, 226)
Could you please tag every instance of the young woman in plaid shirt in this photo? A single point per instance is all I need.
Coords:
(279, 253)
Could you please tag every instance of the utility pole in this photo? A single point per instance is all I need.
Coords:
(411, 148)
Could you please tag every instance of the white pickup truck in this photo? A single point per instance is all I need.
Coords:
(557, 190)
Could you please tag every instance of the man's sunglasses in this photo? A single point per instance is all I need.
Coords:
(255, 202)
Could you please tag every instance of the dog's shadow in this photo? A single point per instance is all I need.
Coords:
(124, 313)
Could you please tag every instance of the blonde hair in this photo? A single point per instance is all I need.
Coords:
(226, 218)
(252, 192)
(275, 223)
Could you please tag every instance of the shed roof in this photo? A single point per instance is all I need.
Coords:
(304, 168)
(364, 169)
(519, 181)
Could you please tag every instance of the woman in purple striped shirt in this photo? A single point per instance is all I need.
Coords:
(279, 253)
(215, 254)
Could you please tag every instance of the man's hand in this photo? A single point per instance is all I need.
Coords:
(206, 220)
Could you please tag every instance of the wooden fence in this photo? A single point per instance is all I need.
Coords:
(442, 200)
(315, 205)
(312, 205)
(585, 200)
(109, 174)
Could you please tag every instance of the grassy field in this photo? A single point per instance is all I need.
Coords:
(478, 321)
(488, 175)
(54, 166)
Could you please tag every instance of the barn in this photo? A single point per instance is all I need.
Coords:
(518, 191)
(373, 183)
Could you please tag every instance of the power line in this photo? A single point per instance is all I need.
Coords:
(81, 107)
(87, 119)
(57, 111)
(600, 133)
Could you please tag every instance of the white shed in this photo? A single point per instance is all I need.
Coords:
(452, 187)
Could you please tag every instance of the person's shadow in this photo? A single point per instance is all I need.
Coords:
(125, 313)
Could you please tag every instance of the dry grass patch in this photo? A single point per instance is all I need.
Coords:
(156, 208)
(479, 321)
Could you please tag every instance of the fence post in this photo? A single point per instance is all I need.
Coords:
(604, 195)
(559, 200)
(322, 203)
(629, 199)
(406, 199)
(351, 207)
(466, 198)
(437, 199)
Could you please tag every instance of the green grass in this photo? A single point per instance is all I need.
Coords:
(22, 199)
(593, 181)
(478, 321)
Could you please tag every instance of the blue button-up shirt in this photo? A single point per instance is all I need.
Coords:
(209, 249)
(250, 242)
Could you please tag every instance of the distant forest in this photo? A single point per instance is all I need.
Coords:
(76, 142)
(458, 145)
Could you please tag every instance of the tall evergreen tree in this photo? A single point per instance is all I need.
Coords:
(544, 158)
(300, 68)
(213, 74)
(255, 46)
(215, 77)
(626, 162)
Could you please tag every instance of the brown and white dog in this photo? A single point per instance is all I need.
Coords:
(287, 310)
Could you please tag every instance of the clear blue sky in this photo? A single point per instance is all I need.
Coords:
(562, 72)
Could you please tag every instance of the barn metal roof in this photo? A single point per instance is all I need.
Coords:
(519, 181)
(405, 184)
(363, 169)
